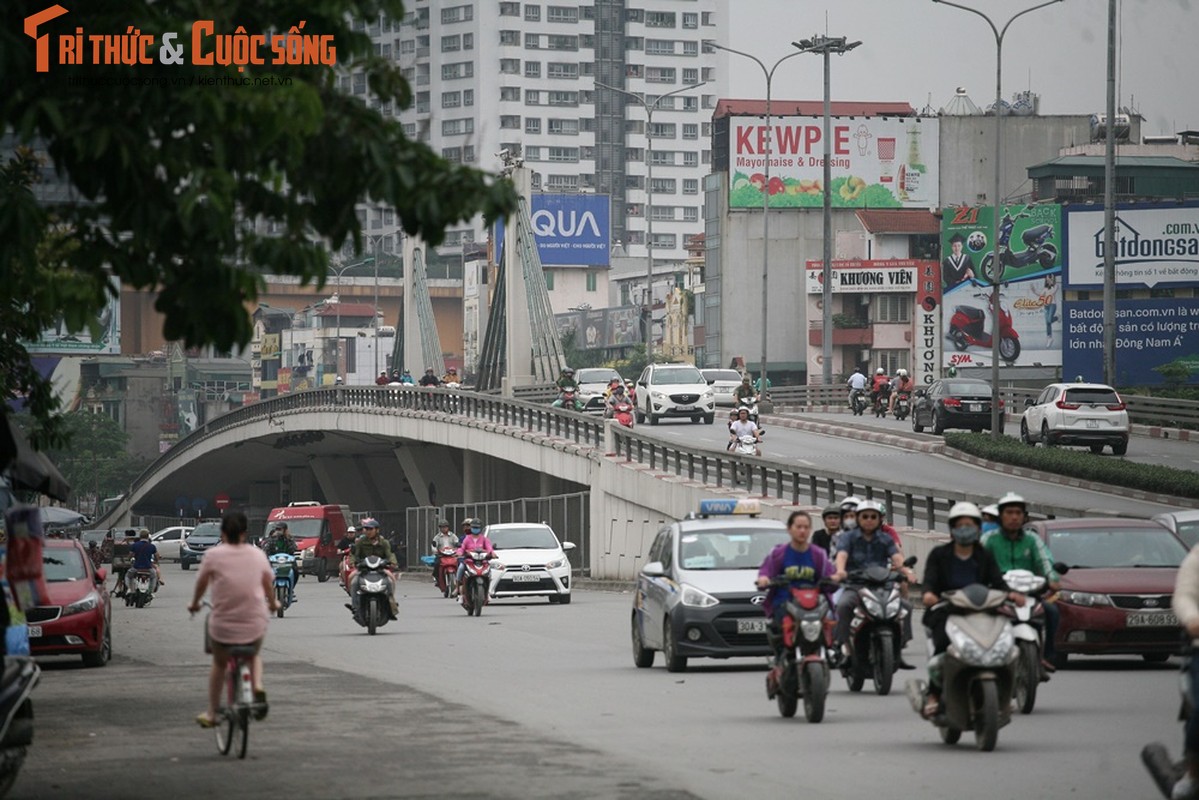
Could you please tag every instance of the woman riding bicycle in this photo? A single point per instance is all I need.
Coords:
(240, 578)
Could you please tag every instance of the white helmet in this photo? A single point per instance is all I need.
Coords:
(991, 510)
(880, 371)
(850, 503)
(1011, 499)
(903, 373)
(870, 505)
(351, 529)
(963, 508)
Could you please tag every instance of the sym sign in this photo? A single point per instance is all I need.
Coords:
(1154, 246)
(571, 229)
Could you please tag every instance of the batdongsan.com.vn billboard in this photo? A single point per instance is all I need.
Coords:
(876, 162)
(1154, 246)
(570, 229)
(1156, 339)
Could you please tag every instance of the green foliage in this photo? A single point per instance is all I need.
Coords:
(632, 364)
(1175, 373)
(577, 357)
(168, 176)
(1077, 463)
(93, 458)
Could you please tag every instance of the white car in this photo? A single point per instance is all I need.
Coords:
(674, 390)
(530, 561)
(723, 382)
(168, 541)
(1090, 414)
(593, 382)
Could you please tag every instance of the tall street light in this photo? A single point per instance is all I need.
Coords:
(768, 73)
(826, 46)
(339, 271)
(650, 108)
(996, 265)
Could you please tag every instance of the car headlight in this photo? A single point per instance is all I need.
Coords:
(85, 604)
(498, 565)
(708, 394)
(1085, 598)
(696, 598)
(556, 563)
(309, 552)
(657, 396)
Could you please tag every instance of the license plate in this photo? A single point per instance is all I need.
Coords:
(1152, 620)
(751, 626)
(35, 631)
(525, 577)
(976, 407)
(684, 408)
(1092, 423)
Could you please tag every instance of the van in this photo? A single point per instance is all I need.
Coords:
(317, 528)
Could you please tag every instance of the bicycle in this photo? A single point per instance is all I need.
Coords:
(233, 719)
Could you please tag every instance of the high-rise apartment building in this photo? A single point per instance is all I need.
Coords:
(489, 75)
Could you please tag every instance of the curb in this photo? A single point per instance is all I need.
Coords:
(861, 434)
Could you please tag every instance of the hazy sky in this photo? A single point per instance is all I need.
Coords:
(914, 48)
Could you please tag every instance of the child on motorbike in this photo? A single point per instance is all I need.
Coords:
(744, 426)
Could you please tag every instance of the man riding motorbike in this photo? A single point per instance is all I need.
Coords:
(145, 559)
(856, 382)
(831, 517)
(429, 378)
(745, 391)
(281, 541)
(901, 385)
(444, 539)
(617, 397)
(1186, 607)
(567, 381)
(744, 426)
(955, 565)
(372, 544)
(451, 376)
(473, 541)
(878, 386)
(798, 560)
(1015, 547)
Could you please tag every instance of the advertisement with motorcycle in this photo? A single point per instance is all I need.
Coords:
(1029, 270)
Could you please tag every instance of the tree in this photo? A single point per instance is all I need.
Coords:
(170, 172)
(96, 462)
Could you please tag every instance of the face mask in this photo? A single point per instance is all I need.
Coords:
(476, 531)
(965, 534)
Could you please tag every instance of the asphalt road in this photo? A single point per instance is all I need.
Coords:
(868, 460)
(534, 700)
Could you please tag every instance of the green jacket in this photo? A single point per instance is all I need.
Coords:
(364, 547)
(1027, 552)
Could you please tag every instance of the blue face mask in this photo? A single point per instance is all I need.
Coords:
(476, 531)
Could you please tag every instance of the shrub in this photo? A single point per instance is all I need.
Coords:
(1078, 464)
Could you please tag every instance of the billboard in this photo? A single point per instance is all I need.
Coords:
(62, 341)
(1153, 246)
(927, 362)
(1030, 243)
(1154, 338)
(570, 229)
(861, 277)
(599, 328)
(876, 162)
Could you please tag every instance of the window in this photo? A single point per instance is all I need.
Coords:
(709, 101)
(452, 154)
(532, 97)
(634, 154)
(360, 83)
(690, 21)
(451, 99)
(457, 14)
(561, 13)
(659, 47)
(468, 97)
(549, 279)
(510, 93)
(690, 76)
(532, 41)
(508, 66)
(890, 360)
(568, 127)
(709, 19)
(591, 281)
(566, 154)
(468, 153)
(705, 129)
(892, 308)
(468, 41)
(634, 210)
(690, 131)
(563, 98)
(509, 9)
(509, 37)
(633, 70)
(662, 213)
(451, 43)
(691, 159)
(634, 43)
(509, 121)
(662, 130)
(533, 153)
(691, 48)
(457, 127)
(460, 69)
(562, 182)
(663, 186)
(532, 69)
(407, 46)
(705, 157)
(662, 158)
(562, 42)
(691, 104)
(659, 19)
(665, 241)
(660, 75)
(532, 13)
(562, 70)
(634, 181)
(690, 214)
(634, 15)
(532, 125)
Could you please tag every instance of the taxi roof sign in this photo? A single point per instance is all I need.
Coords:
(728, 507)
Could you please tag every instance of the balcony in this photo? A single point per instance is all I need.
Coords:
(842, 335)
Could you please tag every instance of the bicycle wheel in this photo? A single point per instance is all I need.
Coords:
(243, 730)
(225, 724)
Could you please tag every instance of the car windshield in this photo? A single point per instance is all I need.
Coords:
(954, 388)
(742, 548)
(298, 528)
(205, 530)
(1100, 396)
(63, 564)
(533, 538)
(1189, 533)
(92, 536)
(597, 376)
(722, 375)
(676, 376)
(1114, 548)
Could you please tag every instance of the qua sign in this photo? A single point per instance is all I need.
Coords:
(571, 229)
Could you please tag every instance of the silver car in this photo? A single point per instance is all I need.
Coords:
(593, 382)
(723, 382)
(1184, 524)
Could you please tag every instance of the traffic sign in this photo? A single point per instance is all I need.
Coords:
(221, 501)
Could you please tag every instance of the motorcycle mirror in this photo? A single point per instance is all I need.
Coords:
(1061, 568)
(910, 561)
(920, 393)
(101, 575)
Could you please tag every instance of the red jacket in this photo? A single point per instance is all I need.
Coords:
(894, 534)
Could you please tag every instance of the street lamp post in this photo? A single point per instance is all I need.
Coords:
(338, 272)
(826, 46)
(650, 108)
(768, 73)
(996, 417)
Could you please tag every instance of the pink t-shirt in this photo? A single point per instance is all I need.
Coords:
(235, 573)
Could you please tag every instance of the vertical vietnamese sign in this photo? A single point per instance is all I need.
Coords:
(927, 362)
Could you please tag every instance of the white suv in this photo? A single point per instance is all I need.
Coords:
(674, 390)
(1090, 414)
(529, 561)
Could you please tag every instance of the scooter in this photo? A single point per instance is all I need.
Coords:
(969, 326)
(140, 595)
(903, 405)
(882, 400)
(477, 581)
(374, 596)
(857, 402)
(977, 671)
(1028, 623)
(284, 564)
(446, 568)
(1037, 248)
(876, 630)
(802, 670)
(622, 412)
(749, 405)
(21, 676)
(568, 400)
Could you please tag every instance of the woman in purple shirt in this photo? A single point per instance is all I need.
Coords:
(805, 563)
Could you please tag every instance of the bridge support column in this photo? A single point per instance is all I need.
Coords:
(472, 476)
(432, 473)
(348, 481)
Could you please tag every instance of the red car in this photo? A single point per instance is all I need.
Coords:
(78, 616)
(1115, 599)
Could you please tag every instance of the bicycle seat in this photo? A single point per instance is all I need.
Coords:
(243, 651)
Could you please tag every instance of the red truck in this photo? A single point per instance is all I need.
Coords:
(317, 529)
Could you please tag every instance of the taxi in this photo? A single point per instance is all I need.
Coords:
(695, 597)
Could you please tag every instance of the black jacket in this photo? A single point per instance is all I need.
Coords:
(937, 571)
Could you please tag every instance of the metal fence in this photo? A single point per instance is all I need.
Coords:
(567, 514)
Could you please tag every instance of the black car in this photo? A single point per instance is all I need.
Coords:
(202, 537)
(953, 403)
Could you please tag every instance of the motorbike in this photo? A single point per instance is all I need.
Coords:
(857, 402)
(750, 405)
(1029, 630)
(140, 595)
(802, 671)
(477, 582)
(284, 564)
(881, 400)
(568, 400)
(374, 596)
(745, 446)
(977, 671)
(1037, 248)
(969, 326)
(622, 412)
(903, 405)
(1165, 770)
(445, 569)
(21, 676)
(345, 570)
(876, 630)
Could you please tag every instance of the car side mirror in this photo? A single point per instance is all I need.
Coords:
(712, 382)
(101, 575)
(568, 545)
(920, 393)
(1061, 568)
(654, 569)
(910, 561)
(1028, 402)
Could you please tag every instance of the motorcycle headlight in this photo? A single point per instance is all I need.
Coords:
(697, 599)
(556, 563)
(84, 604)
(873, 606)
(893, 607)
(373, 586)
(973, 653)
(811, 629)
(1085, 598)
